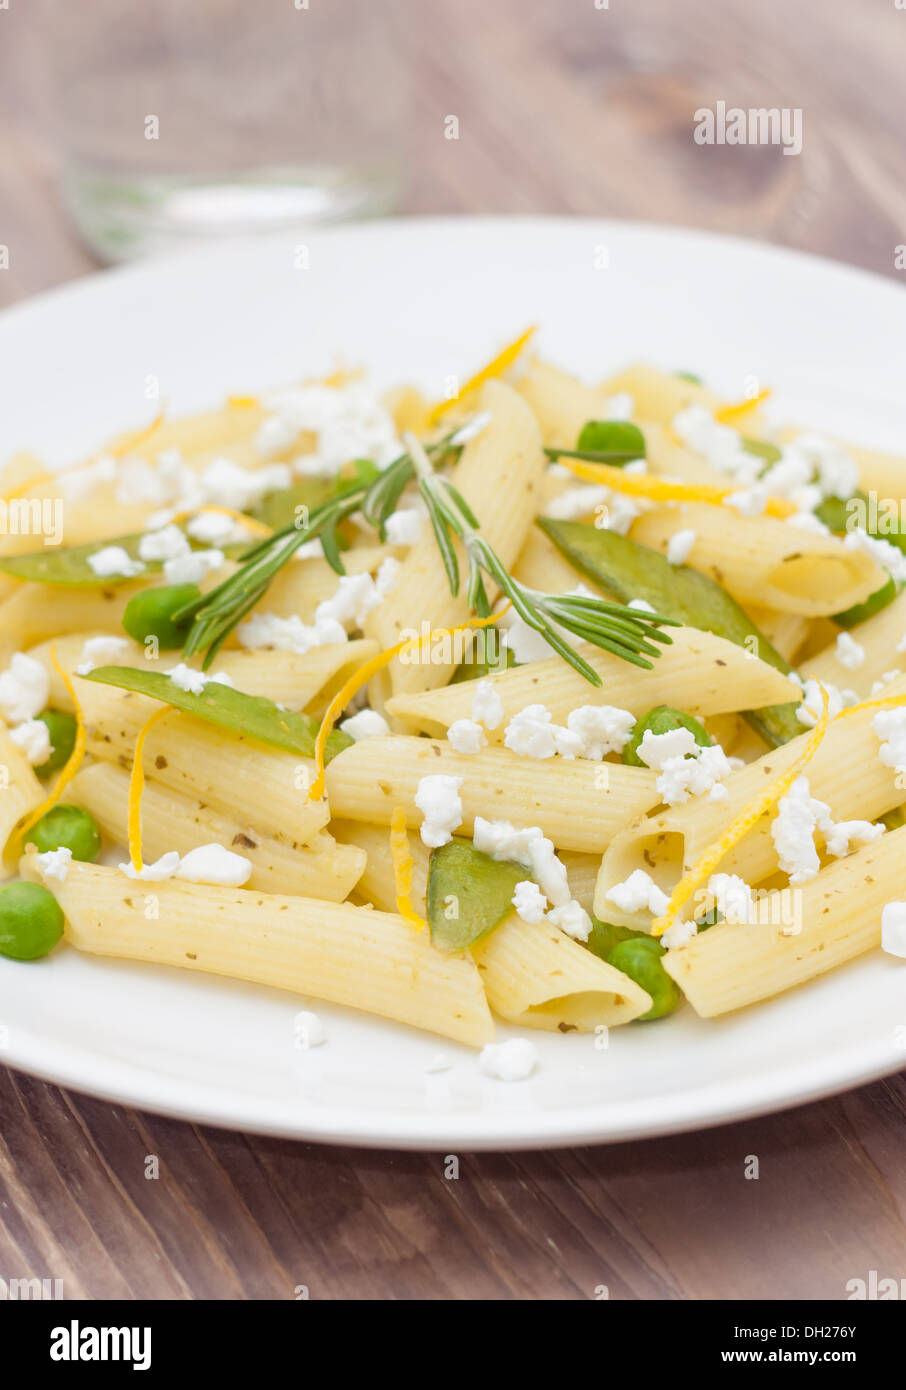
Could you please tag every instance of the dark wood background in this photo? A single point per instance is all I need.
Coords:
(562, 108)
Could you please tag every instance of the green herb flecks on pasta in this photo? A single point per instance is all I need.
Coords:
(253, 715)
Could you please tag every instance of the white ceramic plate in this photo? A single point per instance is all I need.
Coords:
(421, 300)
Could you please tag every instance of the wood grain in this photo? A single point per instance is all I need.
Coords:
(562, 108)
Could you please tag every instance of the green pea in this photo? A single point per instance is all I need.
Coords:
(68, 827)
(31, 921)
(640, 959)
(604, 936)
(150, 614)
(62, 729)
(661, 720)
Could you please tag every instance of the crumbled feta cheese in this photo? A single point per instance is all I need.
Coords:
(885, 679)
(843, 832)
(163, 868)
(355, 597)
(139, 482)
(619, 407)
(807, 521)
(187, 679)
(638, 893)
(799, 814)
(228, 484)
(749, 501)
(100, 651)
(113, 560)
(387, 575)
(214, 864)
(532, 734)
(680, 545)
(525, 642)
(350, 422)
(217, 529)
(288, 634)
(366, 724)
(167, 543)
(437, 797)
(33, 737)
(78, 483)
(572, 919)
(849, 652)
(837, 472)
(55, 863)
(576, 502)
(679, 933)
(404, 526)
(620, 512)
(641, 604)
(24, 689)
(655, 750)
(308, 1030)
(509, 1061)
(890, 727)
(809, 711)
(720, 445)
(466, 736)
(192, 567)
(703, 774)
(733, 897)
(893, 929)
(529, 847)
(888, 556)
(487, 706)
(529, 901)
(603, 729)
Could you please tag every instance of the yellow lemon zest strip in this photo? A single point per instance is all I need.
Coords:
(364, 674)
(137, 786)
(403, 866)
(242, 402)
(741, 824)
(736, 410)
(70, 767)
(496, 367)
(660, 489)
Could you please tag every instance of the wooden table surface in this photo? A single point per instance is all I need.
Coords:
(563, 107)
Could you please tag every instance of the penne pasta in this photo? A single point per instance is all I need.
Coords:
(20, 792)
(370, 960)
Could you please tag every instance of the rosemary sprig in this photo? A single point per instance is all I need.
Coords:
(626, 632)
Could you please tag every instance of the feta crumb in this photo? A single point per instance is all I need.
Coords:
(487, 706)
(350, 422)
(466, 736)
(638, 893)
(721, 445)
(529, 901)
(657, 749)
(888, 556)
(849, 652)
(572, 919)
(679, 933)
(749, 501)
(529, 847)
(404, 526)
(24, 689)
(793, 831)
(354, 598)
(100, 651)
(308, 1030)
(167, 543)
(702, 775)
(641, 604)
(33, 737)
(228, 484)
(890, 727)
(893, 929)
(602, 728)
(733, 897)
(366, 724)
(809, 711)
(187, 679)
(288, 634)
(192, 567)
(214, 864)
(885, 679)
(113, 560)
(218, 529)
(532, 733)
(509, 1061)
(525, 642)
(54, 863)
(163, 868)
(807, 521)
(576, 502)
(680, 545)
(387, 575)
(843, 832)
(437, 797)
